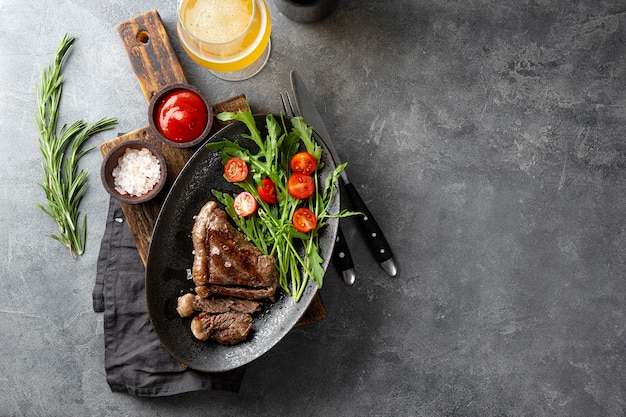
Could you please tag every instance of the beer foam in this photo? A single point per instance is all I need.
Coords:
(217, 21)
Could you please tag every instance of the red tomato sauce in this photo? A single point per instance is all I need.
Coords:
(181, 116)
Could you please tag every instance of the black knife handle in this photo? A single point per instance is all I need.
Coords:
(373, 234)
(341, 256)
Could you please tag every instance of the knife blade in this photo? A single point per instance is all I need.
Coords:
(372, 232)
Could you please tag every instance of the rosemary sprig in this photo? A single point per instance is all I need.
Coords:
(63, 183)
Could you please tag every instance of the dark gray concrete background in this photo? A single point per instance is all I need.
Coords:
(486, 136)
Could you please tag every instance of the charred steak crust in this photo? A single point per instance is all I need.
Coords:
(223, 255)
(231, 275)
(199, 269)
(236, 261)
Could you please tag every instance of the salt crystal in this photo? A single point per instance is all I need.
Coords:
(137, 173)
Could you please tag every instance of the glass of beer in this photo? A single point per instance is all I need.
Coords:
(231, 38)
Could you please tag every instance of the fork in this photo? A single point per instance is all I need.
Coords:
(341, 255)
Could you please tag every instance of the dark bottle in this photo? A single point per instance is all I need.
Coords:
(306, 11)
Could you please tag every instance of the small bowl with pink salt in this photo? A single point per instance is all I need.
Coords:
(134, 172)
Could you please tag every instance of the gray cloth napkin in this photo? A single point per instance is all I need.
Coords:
(134, 360)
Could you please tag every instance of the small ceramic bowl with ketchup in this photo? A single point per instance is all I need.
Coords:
(180, 115)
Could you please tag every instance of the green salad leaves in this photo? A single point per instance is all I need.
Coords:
(271, 228)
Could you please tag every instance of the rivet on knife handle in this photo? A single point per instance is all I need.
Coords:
(343, 260)
(373, 234)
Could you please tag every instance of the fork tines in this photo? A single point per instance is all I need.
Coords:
(287, 104)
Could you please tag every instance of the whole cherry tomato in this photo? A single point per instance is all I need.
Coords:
(245, 204)
(301, 186)
(267, 191)
(304, 220)
(181, 116)
(304, 163)
(235, 169)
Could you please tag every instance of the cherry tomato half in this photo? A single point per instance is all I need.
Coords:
(267, 191)
(245, 204)
(301, 186)
(304, 163)
(304, 220)
(181, 116)
(236, 170)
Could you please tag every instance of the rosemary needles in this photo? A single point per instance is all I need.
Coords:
(63, 183)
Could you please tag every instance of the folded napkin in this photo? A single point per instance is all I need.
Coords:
(134, 360)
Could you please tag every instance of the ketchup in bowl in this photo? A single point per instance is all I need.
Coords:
(181, 116)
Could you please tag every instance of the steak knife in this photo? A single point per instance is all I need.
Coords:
(343, 259)
(373, 234)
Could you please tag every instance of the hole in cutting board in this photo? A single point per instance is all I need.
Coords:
(143, 37)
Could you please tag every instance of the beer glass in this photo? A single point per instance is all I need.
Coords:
(231, 38)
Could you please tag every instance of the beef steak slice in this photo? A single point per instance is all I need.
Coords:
(224, 257)
(226, 328)
(190, 303)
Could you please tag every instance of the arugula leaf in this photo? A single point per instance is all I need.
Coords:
(305, 133)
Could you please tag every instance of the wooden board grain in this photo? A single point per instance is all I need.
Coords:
(152, 56)
(155, 64)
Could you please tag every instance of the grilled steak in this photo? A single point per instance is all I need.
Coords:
(233, 260)
(200, 269)
(237, 291)
(224, 256)
(230, 274)
(188, 304)
(227, 328)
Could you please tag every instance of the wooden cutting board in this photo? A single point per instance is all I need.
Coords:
(155, 64)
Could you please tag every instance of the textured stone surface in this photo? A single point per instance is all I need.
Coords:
(486, 136)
